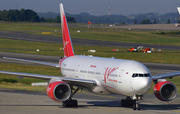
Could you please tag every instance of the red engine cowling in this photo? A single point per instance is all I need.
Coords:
(59, 91)
(165, 91)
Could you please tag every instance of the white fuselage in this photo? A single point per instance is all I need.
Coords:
(112, 75)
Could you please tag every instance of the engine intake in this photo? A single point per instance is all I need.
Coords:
(165, 91)
(59, 91)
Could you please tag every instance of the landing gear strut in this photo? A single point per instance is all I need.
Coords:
(70, 102)
(136, 105)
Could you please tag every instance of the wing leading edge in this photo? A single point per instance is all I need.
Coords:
(89, 84)
(166, 75)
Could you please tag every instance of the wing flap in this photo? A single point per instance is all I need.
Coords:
(88, 84)
(166, 75)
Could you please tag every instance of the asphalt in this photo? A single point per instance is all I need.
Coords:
(77, 41)
(29, 102)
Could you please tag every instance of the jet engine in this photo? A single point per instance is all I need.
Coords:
(165, 91)
(59, 91)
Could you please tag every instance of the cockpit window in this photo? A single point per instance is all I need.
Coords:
(141, 75)
(146, 75)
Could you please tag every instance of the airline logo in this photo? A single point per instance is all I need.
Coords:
(67, 44)
(93, 66)
(107, 72)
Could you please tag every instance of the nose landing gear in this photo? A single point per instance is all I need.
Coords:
(136, 105)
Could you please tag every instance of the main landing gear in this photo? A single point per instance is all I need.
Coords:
(132, 102)
(70, 102)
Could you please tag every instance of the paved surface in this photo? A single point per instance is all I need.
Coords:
(76, 41)
(27, 102)
(150, 27)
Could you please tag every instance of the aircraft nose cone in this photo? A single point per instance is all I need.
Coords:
(141, 85)
(145, 85)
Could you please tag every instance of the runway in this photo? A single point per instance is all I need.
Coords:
(77, 41)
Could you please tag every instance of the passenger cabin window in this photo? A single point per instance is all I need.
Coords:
(113, 75)
(98, 73)
(83, 71)
(90, 72)
(141, 75)
(67, 69)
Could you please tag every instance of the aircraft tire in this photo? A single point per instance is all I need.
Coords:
(126, 103)
(136, 106)
(70, 103)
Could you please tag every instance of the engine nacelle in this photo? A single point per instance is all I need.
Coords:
(58, 91)
(165, 91)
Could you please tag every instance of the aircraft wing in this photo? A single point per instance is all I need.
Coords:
(37, 62)
(166, 75)
(89, 84)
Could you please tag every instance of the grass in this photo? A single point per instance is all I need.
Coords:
(94, 33)
(18, 46)
(28, 27)
(117, 35)
(12, 82)
(105, 34)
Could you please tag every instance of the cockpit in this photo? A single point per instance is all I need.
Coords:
(140, 75)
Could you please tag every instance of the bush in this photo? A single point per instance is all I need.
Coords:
(8, 80)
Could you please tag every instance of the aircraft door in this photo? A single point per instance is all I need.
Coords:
(120, 76)
(77, 74)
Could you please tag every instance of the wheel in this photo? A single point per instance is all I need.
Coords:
(134, 106)
(70, 103)
(73, 103)
(124, 103)
(66, 103)
(139, 107)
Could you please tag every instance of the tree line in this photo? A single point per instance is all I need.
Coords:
(27, 15)
(57, 19)
(19, 15)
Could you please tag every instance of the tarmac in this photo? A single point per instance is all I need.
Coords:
(27, 102)
(76, 41)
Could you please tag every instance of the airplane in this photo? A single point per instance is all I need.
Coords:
(99, 75)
